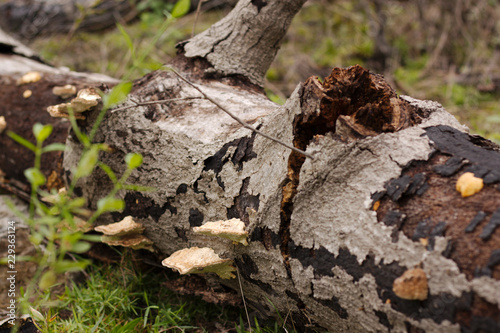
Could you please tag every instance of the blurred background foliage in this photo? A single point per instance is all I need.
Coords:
(448, 51)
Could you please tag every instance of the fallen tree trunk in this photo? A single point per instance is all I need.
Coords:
(370, 234)
(27, 84)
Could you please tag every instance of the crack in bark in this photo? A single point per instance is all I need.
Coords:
(362, 102)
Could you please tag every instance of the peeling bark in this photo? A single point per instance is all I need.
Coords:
(327, 236)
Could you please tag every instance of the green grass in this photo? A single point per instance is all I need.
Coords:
(130, 297)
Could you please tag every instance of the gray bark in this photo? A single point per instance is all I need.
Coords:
(339, 257)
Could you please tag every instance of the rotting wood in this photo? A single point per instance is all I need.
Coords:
(21, 112)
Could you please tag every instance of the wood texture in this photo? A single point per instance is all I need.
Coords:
(319, 249)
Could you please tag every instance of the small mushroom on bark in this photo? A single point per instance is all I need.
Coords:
(469, 185)
(412, 285)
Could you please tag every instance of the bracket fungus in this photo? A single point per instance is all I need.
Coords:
(233, 229)
(85, 100)
(412, 285)
(64, 91)
(126, 233)
(195, 260)
(469, 185)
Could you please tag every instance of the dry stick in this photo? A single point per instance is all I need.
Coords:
(196, 16)
(243, 298)
(136, 104)
(243, 123)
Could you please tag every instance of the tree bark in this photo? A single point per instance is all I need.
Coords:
(343, 241)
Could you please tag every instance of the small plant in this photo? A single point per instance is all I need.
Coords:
(57, 220)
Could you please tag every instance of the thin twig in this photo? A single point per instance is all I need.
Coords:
(243, 298)
(243, 123)
(136, 104)
(196, 16)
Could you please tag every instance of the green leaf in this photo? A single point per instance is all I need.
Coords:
(54, 147)
(36, 238)
(42, 132)
(109, 172)
(22, 141)
(34, 176)
(77, 202)
(87, 162)
(133, 160)
(181, 8)
(80, 247)
(64, 266)
(127, 38)
(117, 95)
(37, 315)
(47, 280)
(110, 204)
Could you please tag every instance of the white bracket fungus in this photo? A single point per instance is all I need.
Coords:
(412, 285)
(64, 91)
(126, 233)
(233, 229)
(197, 260)
(84, 101)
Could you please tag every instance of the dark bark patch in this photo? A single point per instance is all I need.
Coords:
(484, 317)
(394, 218)
(334, 304)
(383, 319)
(181, 233)
(243, 153)
(491, 226)
(482, 154)
(475, 221)
(243, 201)
(259, 4)
(247, 267)
(438, 307)
(195, 217)
(141, 206)
(451, 166)
(182, 188)
(412, 329)
(471, 223)
(269, 238)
